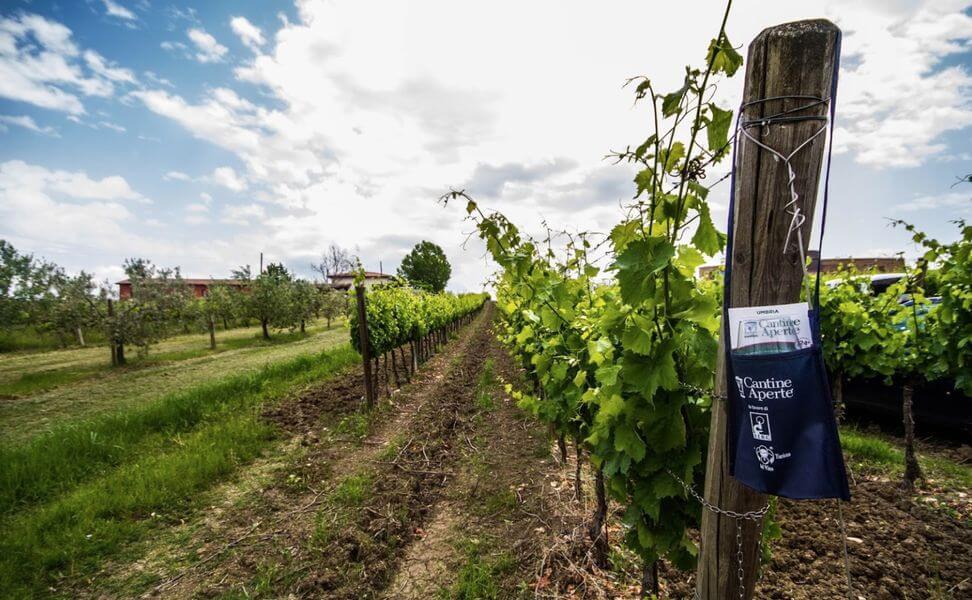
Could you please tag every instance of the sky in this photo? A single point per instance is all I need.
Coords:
(200, 136)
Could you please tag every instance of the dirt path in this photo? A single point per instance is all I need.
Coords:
(492, 524)
(330, 513)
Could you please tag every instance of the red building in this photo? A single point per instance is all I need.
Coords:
(199, 286)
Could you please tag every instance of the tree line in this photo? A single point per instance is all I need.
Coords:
(40, 297)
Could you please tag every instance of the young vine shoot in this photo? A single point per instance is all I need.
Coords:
(622, 358)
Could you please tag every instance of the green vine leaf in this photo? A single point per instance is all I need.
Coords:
(707, 238)
(717, 129)
(637, 263)
(723, 57)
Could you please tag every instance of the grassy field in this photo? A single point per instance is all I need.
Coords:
(40, 390)
(81, 491)
(873, 450)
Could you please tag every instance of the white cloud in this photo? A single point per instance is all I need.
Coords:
(172, 46)
(115, 9)
(176, 176)
(242, 214)
(155, 78)
(273, 147)
(75, 184)
(197, 208)
(961, 202)
(40, 63)
(209, 50)
(98, 64)
(249, 34)
(27, 122)
(206, 198)
(227, 177)
(112, 126)
(46, 208)
(896, 99)
(351, 137)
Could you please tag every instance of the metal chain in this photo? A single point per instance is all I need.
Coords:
(740, 574)
(738, 518)
(753, 515)
(699, 391)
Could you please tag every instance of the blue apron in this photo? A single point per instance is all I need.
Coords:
(783, 436)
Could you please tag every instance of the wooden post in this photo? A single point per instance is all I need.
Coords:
(365, 347)
(790, 59)
(111, 333)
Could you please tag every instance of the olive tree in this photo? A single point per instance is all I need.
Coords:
(26, 287)
(305, 301)
(219, 304)
(74, 306)
(159, 299)
(333, 305)
(270, 299)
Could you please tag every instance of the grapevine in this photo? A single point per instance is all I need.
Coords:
(398, 314)
(622, 357)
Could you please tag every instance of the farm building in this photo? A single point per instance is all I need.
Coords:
(877, 264)
(199, 286)
(344, 281)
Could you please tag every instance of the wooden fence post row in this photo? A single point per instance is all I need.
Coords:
(785, 60)
(422, 348)
(365, 347)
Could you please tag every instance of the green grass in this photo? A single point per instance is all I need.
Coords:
(39, 381)
(479, 578)
(355, 425)
(501, 502)
(353, 490)
(339, 508)
(82, 493)
(875, 451)
(484, 386)
(85, 386)
(53, 463)
(27, 339)
(74, 533)
(35, 382)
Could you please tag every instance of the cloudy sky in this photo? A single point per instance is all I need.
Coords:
(202, 136)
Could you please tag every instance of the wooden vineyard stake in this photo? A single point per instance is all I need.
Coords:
(785, 60)
(359, 293)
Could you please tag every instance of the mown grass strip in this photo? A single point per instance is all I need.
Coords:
(53, 463)
(73, 534)
(875, 451)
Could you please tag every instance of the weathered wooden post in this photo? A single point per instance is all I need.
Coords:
(111, 333)
(365, 346)
(793, 59)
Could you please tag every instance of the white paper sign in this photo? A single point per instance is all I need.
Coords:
(770, 329)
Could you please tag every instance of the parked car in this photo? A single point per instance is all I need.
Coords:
(920, 313)
(877, 283)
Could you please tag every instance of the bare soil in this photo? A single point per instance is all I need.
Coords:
(448, 490)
